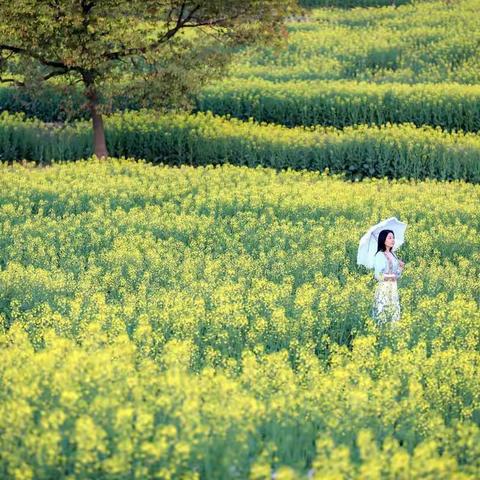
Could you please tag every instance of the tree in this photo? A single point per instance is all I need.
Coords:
(156, 51)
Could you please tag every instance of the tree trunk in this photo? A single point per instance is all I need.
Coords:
(99, 143)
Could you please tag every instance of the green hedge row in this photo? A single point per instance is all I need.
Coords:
(51, 105)
(351, 3)
(338, 104)
(390, 150)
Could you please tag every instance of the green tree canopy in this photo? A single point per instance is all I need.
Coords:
(157, 51)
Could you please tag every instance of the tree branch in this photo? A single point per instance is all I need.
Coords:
(12, 80)
(180, 15)
(55, 74)
(218, 38)
(180, 23)
(18, 83)
(43, 61)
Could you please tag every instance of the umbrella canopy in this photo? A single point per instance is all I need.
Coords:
(369, 242)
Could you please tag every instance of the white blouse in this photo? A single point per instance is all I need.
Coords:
(382, 265)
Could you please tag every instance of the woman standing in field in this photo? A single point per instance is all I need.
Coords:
(386, 306)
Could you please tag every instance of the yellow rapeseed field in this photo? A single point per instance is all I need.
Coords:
(212, 323)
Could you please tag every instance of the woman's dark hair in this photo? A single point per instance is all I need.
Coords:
(382, 236)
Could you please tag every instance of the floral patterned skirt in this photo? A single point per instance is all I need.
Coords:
(386, 305)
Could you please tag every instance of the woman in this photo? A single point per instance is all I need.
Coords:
(386, 306)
